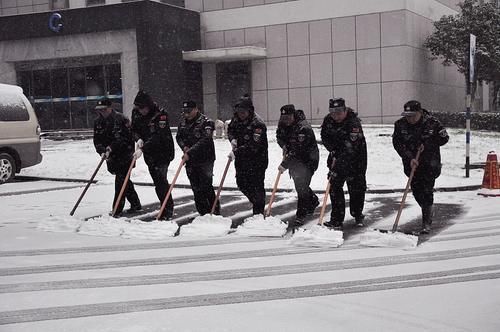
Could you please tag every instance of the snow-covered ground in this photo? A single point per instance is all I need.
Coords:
(77, 159)
(139, 278)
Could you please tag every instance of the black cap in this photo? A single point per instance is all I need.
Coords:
(143, 99)
(103, 104)
(337, 105)
(188, 105)
(244, 104)
(411, 107)
(287, 109)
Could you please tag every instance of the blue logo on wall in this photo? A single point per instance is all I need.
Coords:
(55, 22)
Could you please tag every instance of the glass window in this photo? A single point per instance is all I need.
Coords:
(95, 2)
(12, 108)
(24, 81)
(44, 114)
(114, 79)
(59, 83)
(79, 115)
(62, 119)
(59, 4)
(41, 84)
(95, 81)
(77, 82)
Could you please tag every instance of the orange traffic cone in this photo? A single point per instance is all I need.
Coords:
(491, 179)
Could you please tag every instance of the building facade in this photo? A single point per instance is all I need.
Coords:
(297, 51)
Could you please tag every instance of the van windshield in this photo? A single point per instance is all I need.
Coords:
(12, 107)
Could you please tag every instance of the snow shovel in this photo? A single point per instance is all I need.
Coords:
(164, 204)
(103, 158)
(124, 186)
(264, 226)
(229, 160)
(209, 225)
(392, 238)
(319, 235)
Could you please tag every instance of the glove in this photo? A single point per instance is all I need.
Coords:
(140, 143)
(281, 169)
(231, 156)
(108, 152)
(137, 153)
(332, 174)
(234, 144)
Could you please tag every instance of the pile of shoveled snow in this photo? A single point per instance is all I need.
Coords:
(207, 226)
(317, 236)
(109, 226)
(375, 238)
(258, 226)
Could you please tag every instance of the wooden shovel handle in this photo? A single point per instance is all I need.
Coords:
(124, 186)
(169, 192)
(220, 185)
(273, 194)
(407, 189)
(88, 185)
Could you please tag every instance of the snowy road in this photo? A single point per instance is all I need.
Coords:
(61, 281)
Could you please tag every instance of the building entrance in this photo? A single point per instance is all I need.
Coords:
(64, 91)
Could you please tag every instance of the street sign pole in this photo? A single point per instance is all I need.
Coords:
(472, 53)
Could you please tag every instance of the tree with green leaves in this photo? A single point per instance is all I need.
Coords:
(450, 42)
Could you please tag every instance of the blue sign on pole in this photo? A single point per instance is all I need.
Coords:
(55, 22)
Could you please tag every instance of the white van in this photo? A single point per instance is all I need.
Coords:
(19, 133)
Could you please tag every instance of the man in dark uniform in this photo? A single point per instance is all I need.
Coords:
(113, 139)
(151, 129)
(248, 137)
(300, 155)
(342, 136)
(195, 138)
(416, 128)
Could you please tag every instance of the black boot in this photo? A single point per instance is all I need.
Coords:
(426, 219)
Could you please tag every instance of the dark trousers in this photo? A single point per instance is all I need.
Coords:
(251, 184)
(356, 186)
(307, 199)
(200, 177)
(422, 187)
(129, 193)
(159, 176)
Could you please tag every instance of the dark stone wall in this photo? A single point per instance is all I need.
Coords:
(161, 36)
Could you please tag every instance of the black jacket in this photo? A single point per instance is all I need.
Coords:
(154, 130)
(299, 143)
(114, 131)
(407, 138)
(252, 150)
(346, 142)
(197, 136)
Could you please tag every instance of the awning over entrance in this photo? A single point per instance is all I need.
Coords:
(225, 54)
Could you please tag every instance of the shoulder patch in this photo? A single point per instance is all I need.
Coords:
(355, 130)
(163, 117)
(258, 130)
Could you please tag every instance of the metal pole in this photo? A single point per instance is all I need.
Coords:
(469, 81)
(467, 133)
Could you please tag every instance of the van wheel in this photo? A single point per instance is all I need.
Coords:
(7, 167)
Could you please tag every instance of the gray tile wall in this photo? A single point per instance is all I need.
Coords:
(15, 7)
(210, 5)
(376, 62)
